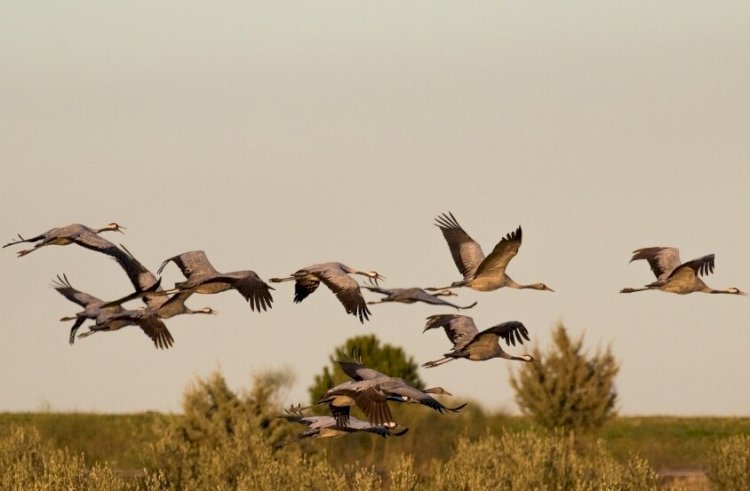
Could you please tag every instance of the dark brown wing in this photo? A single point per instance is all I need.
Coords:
(701, 266)
(340, 414)
(347, 291)
(511, 332)
(504, 251)
(663, 260)
(141, 278)
(373, 404)
(304, 286)
(156, 330)
(460, 329)
(466, 252)
(256, 291)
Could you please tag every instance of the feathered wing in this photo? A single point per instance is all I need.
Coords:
(62, 285)
(357, 371)
(347, 291)
(372, 402)
(191, 263)
(662, 260)
(504, 251)
(141, 278)
(511, 332)
(156, 330)
(256, 291)
(460, 329)
(701, 266)
(305, 286)
(93, 241)
(466, 252)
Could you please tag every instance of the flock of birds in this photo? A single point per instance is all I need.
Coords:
(368, 389)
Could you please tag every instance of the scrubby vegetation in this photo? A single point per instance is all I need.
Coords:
(225, 440)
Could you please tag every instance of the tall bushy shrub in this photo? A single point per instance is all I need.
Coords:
(565, 388)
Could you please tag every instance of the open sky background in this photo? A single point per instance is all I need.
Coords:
(274, 135)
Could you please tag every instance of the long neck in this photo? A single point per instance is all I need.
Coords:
(512, 284)
(712, 290)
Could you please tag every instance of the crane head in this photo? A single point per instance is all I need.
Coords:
(542, 286)
(374, 276)
(736, 291)
(115, 227)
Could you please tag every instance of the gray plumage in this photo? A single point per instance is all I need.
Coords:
(397, 389)
(336, 277)
(72, 234)
(147, 287)
(106, 317)
(412, 295)
(367, 395)
(327, 427)
(481, 273)
(470, 343)
(673, 276)
(201, 277)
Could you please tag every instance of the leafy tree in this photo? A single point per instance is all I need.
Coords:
(387, 358)
(566, 389)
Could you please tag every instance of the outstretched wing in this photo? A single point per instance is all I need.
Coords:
(256, 291)
(347, 291)
(156, 330)
(511, 332)
(466, 252)
(460, 329)
(304, 286)
(62, 285)
(504, 251)
(357, 371)
(191, 263)
(701, 266)
(663, 260)
(141, 278)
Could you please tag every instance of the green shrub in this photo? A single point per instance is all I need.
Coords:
(565, 388)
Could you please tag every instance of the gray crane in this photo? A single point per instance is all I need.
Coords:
(366, 395)
(336, 277)
(158, 304)
(203, 278)
(145, 284)
(93, 308)
(481, 273)
(397, 389)
(470, 343)
(326, 427)
(71, 234)
(412, 295)
(674, 276)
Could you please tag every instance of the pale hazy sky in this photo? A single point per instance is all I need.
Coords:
(275, 135)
